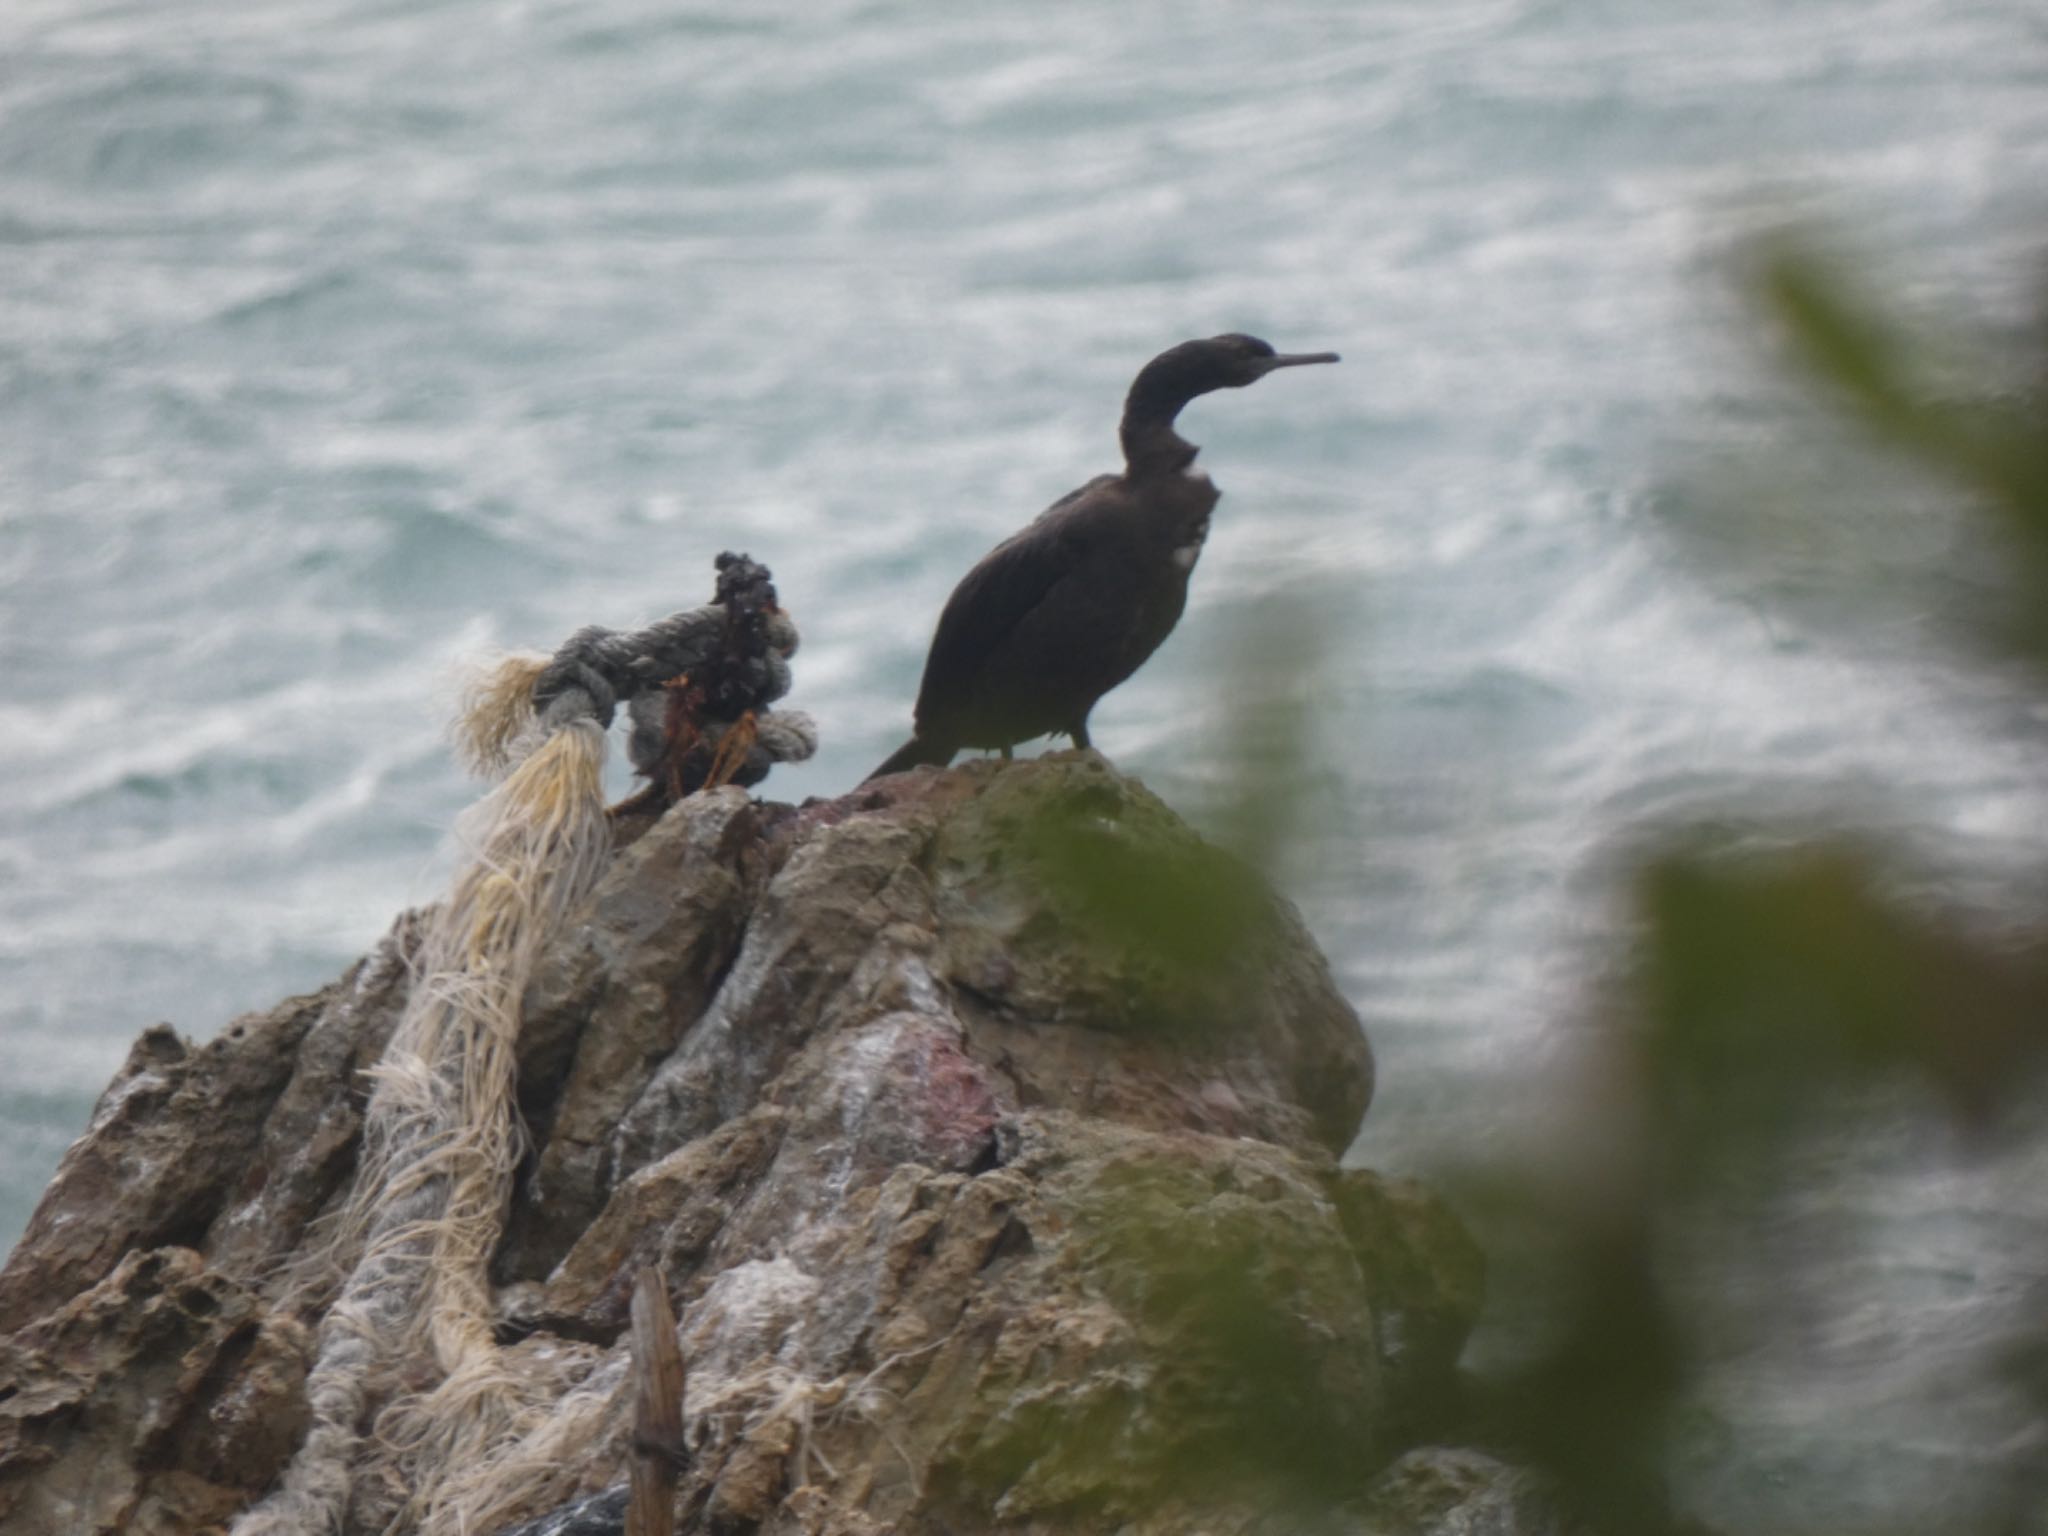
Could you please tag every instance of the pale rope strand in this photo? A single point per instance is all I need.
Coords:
(441, 1136)
(441, 1141)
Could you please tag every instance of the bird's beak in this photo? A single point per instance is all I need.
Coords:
(1294, 360)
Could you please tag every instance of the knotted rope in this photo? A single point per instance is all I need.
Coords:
(409, 1336)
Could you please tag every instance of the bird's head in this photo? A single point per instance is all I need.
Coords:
(1194, 368)
(1177, 375)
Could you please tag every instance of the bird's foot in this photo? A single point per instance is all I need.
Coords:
(733, 747)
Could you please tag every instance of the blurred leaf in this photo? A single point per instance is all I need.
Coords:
(1595, 1410)
(1187, 916)
(1242, 1367)
(1770, 983)
(1278, 672)
(1995, 445)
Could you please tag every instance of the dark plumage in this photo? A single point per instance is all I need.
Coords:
(1060, 613)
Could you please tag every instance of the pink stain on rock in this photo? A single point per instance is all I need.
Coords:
(939, 1097)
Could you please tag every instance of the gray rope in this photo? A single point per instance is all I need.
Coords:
(597, 669)
(607, 665)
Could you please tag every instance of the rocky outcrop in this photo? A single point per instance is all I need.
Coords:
(982, 1125)
(161, 1399)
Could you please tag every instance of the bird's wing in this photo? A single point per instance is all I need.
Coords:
(995, 597)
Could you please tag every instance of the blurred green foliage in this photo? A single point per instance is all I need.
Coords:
(1780, 999)
(1192, 922)
(1249, 1371)
(1769, 980)
(1184, 919)
(1993, 446)
(1777, 1000)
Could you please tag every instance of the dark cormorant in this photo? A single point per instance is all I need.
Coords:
(1057, 615)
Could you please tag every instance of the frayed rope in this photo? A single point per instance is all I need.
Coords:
(407, 1346)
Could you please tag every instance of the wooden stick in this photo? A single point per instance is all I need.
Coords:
(658, 1450)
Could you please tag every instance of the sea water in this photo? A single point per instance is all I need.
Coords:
(343, 339)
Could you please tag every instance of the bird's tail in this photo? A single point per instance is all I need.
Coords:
(913, 752)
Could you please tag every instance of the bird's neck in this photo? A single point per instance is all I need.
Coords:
(1151, 446)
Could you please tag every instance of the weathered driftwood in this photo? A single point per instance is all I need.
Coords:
(658, 1448)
